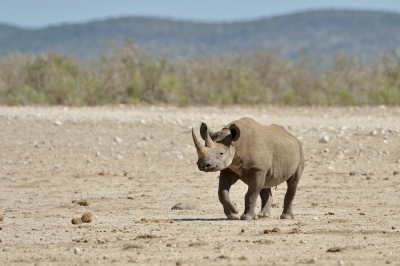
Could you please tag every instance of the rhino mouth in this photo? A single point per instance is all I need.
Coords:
(205, 167)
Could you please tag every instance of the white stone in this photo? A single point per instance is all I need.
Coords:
(77, 251)
(117, 139)
(324, 139)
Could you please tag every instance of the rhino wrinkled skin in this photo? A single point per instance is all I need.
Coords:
(261, 156)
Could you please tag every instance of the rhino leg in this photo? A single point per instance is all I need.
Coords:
(266, 203)
(292, 183)
(226, 179)
(255, 183)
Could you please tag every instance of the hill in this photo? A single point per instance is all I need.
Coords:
(368, 34)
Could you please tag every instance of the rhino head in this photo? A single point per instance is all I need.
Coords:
(218, 152)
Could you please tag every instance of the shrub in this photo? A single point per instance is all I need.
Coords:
(127, 74)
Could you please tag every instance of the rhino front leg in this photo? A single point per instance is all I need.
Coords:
(266, 203)
(226, 179)
(255, 183)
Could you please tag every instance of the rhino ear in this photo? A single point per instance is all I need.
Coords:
(203, 131)
(235, 132)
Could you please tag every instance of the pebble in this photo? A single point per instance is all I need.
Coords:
(57, 123)
(77, 251)
(324, 139)
(106, 257)
(315, 218)
(117, 139)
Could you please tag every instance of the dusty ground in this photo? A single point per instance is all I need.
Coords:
(134, 164)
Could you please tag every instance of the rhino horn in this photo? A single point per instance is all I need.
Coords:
(209, 142)
(201, 150)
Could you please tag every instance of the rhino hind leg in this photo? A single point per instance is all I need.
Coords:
(292, 183)
(266, 203)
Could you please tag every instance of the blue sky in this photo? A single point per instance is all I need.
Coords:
(40, 13)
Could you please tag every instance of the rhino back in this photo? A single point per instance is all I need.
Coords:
(270, 148)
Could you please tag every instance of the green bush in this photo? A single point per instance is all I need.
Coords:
(127, 74)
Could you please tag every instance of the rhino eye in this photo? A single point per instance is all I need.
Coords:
(221, 153)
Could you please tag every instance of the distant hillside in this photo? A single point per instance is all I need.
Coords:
(367, 34)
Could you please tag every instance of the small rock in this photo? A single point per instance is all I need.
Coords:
(396, 172)
(1, 218)
(335, 249)
(183, 206)
(264, 241)
(117, 139)
(77, 251)
(106, 257)
(324, 139)
(146, 236)
(198, 244)
(76, 221)
(132, 246)
(57, 123)
(315, 218)
(81, 202)
(275, 230)
(373, 132)
(353, 173)
(86, 217)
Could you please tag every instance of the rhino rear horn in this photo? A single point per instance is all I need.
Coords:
(209, 141)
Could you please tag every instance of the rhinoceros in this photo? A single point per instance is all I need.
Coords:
(261, 156)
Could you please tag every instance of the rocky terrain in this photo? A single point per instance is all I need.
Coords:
(133, 169)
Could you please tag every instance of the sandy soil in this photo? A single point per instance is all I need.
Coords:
(132, 165)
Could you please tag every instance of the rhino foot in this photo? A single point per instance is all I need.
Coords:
(286, 216)
(248, 217)
(232, 214)
(263, 215)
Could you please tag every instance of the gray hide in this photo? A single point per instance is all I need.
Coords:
(261, 156)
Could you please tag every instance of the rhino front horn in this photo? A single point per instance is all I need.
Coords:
(201, 151)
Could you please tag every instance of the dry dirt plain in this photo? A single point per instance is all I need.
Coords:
(133, 164)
